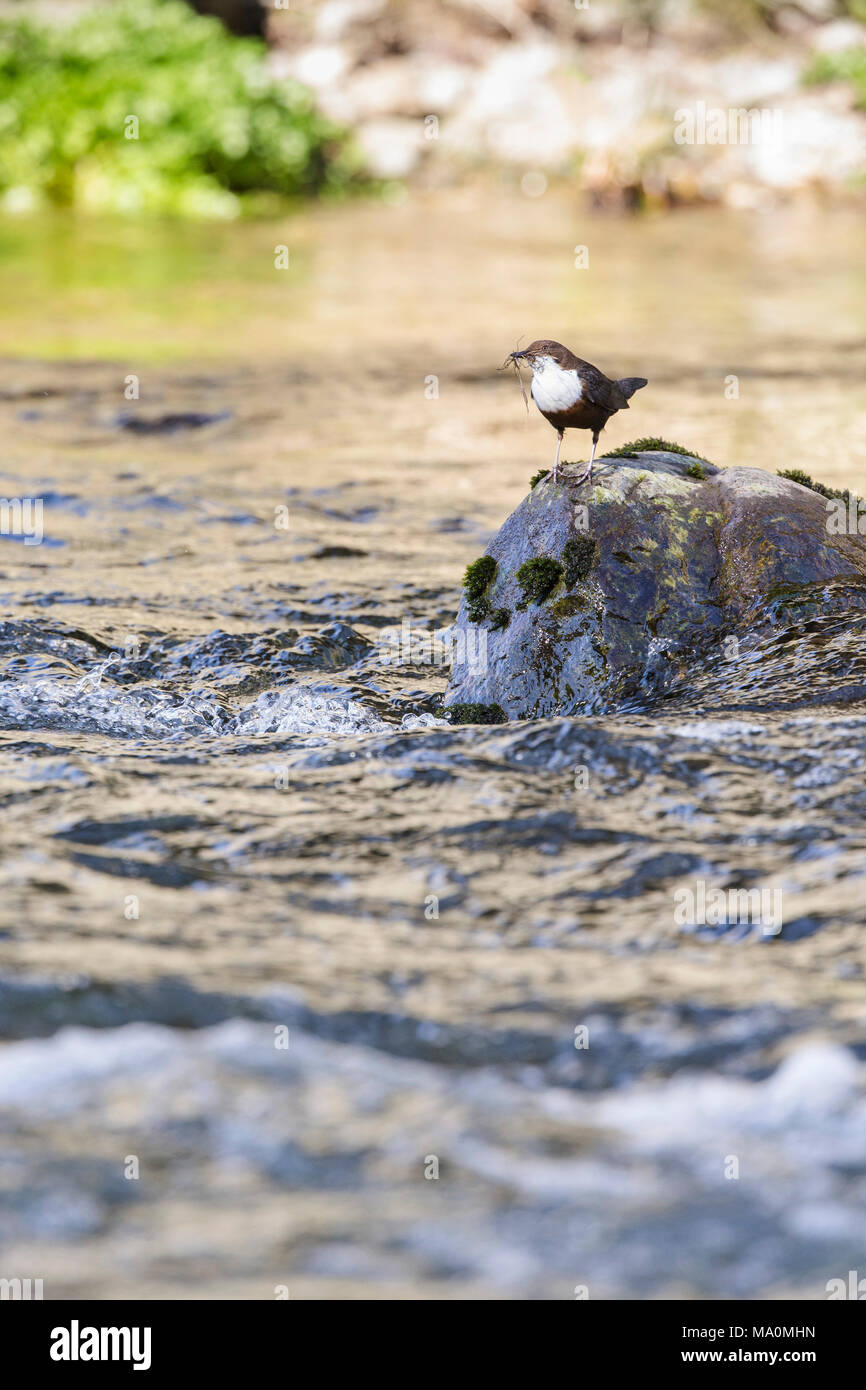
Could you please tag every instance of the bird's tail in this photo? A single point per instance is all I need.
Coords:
(630, 384)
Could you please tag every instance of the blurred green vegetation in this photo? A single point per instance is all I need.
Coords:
(849, 65)
(217, 135)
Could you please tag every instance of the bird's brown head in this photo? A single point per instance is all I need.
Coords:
(542, 347)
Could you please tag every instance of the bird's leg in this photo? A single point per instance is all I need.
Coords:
(559, 434)
(591, 458)
(586, 477)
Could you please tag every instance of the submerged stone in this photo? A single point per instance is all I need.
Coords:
(616, 588)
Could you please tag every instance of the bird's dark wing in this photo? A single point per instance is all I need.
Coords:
(599, 388)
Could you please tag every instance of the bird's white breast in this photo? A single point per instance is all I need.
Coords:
(553, 388)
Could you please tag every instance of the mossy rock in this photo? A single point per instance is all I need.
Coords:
(678, 555)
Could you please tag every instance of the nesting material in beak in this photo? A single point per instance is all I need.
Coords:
(513, 358)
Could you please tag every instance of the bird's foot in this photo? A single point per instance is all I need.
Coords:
(586, 476)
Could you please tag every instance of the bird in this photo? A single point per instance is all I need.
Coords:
(572, 394)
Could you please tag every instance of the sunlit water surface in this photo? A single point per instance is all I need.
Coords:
(224, 817)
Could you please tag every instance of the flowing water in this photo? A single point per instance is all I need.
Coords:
(277, 944)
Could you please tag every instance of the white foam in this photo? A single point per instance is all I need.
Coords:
(296, 711)
(68, 704)
(410, 722)
(51, 1071)
(154, 714)
(718, 729)
(818, 1083)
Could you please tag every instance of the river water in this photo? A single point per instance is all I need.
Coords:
(303, 991)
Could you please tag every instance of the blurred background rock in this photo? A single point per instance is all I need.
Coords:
(586, 91)
(590, 93)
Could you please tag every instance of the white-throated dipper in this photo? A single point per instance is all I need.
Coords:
(572, 394)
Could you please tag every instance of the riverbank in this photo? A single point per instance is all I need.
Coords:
(654, 105)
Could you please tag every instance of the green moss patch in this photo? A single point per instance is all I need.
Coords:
(537, 477)
(499, 618)
(578, 557)
(849, 65)
(476, 581)
(466, 713)
(537, 579)
(569, 606)
(651, 445)
(796, 475)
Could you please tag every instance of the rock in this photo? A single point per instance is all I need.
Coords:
(336, 18)
(839, 35)
(514, 113)
(605, 592)
(391, 148)
(401, 87)
(323, 67)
